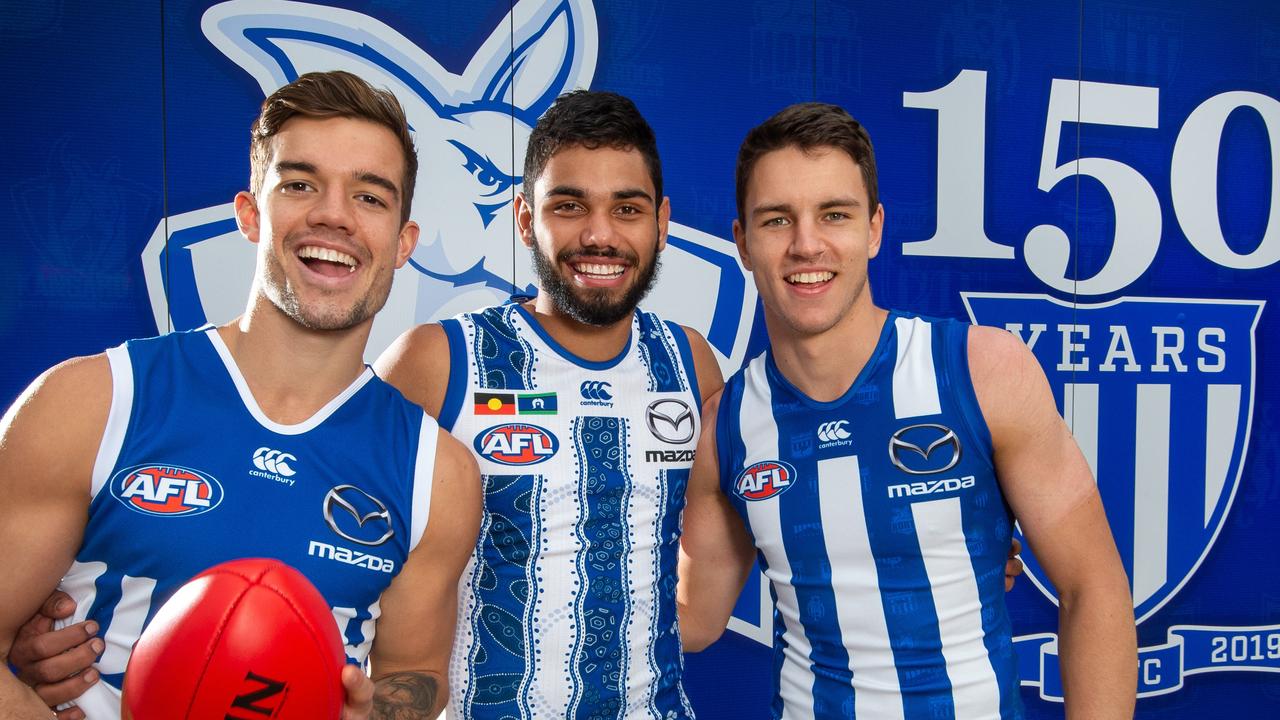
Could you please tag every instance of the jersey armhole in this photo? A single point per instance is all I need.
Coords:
(455, 390)
(730, 401)
(686, 358)
(423, 479)
(117, 417)
(961, 380)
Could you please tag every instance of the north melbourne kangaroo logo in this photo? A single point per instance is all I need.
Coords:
(470, 129)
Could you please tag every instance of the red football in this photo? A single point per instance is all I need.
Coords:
(249, 638)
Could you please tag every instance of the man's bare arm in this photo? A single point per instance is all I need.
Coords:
(414, 638)
(1049, 486)
(715, 550)
(48, 444)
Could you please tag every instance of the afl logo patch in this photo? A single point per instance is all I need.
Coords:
(516, 444)
(764, 480)
(166, 490)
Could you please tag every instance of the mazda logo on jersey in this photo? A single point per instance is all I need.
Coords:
(924, 449)
(357, 516)
(166, 490)
(765, 479)
(670, 420)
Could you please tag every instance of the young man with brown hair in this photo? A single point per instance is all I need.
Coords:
(877, 460)
(128, 472)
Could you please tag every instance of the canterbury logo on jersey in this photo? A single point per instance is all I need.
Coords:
(764, 480)
(166, 490)
(274, 461)
(596, 392)
(834, 433)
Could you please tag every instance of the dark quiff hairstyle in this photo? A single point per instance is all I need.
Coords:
(808, 126)
(591, 119)
(326, 95)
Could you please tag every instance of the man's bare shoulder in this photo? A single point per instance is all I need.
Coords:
(53, 429)
(705, 364)
(417, 364)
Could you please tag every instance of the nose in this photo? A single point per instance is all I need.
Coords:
(332, 209)
(806, 240)
(598, 231)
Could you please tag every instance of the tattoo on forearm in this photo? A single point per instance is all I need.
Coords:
(404, 696)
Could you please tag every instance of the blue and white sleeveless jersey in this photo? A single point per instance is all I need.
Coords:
(567, 609)
(191, 473)
(883, 532)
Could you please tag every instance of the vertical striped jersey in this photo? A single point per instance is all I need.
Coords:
(882, 530)
(567, 609)
(191, 473)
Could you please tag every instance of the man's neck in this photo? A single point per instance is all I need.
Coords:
(292, 371)
(825, 366)
(594, 343)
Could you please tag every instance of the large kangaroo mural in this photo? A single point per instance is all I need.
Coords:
(470, 130)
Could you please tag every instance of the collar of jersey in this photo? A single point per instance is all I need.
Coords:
(563, 352)
(251, 403)
(882, 344)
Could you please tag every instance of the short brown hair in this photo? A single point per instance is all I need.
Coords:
(808, 126)
(336, 93)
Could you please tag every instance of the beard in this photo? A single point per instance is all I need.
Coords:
(320, 313)
(593, 306)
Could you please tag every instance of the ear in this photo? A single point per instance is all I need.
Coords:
(248, 218)
(539, 51)
(877, 230)
(524, 219)
(664, 220)
(740, 239)
(407, 241)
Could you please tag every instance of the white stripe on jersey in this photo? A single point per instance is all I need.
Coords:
(859, 608)
(126, 622)
(940, 531)
(117, 418)
(796, 682)
(915, 385)
(1151, 491)
(423, 477)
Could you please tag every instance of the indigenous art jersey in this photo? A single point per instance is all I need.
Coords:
(882, 530)
(191, 473)
(567, 609)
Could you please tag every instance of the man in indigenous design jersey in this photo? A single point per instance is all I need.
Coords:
(128, 472)
(583, 411)
(876, 461)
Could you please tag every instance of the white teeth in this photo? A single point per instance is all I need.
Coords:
(333, 256)
(806, 278)
(596, 270)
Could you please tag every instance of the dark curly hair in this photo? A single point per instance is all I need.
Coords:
(590, 119)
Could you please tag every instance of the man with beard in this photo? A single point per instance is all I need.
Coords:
(583, 412)
(128, 472)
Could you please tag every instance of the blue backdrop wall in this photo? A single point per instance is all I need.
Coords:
(1101, 177)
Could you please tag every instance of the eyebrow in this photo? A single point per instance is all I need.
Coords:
(362, 176)
(577, 192)
(824, 205)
